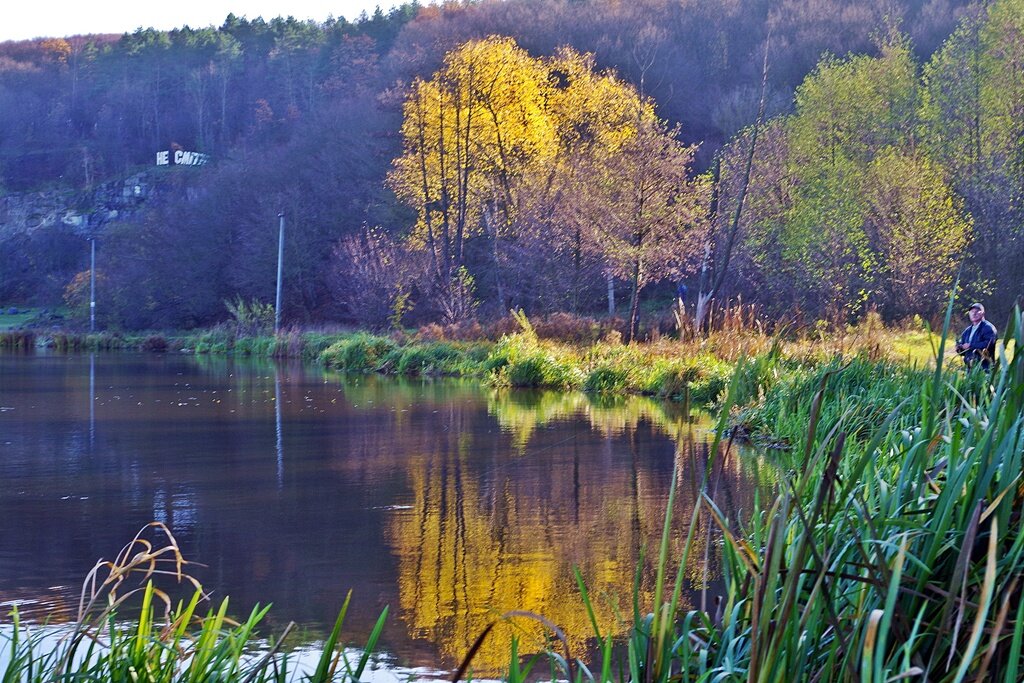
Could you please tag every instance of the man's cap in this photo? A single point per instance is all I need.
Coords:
(978, 306)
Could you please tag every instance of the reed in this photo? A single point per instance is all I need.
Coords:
(893, 550)
(168, 642)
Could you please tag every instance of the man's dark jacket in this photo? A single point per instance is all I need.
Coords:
(983, 346)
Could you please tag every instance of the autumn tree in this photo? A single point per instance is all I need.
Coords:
(596, 114)
(647, 215)
(472, 134)
(513, 148)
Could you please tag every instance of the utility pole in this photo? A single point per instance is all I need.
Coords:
(92, 284)
(280, 266)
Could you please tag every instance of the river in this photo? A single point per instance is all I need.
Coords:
(449, 501)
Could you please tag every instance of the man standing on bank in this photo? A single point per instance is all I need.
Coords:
(977, 343)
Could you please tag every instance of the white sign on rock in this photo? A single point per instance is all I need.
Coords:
(181, 157)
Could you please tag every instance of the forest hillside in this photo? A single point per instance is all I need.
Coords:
(446, 162)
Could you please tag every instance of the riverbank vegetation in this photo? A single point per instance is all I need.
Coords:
(892, 551)
(556, 352)
(881, 365)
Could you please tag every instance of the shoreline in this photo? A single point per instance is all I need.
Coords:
(769, 370)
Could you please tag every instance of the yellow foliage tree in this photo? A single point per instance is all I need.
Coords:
(471, 134)
(500, 144)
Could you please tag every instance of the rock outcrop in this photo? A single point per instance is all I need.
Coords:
(82, 212)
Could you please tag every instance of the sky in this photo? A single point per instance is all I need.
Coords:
(23, 19)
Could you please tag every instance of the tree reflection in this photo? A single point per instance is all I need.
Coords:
(522, 412)
(479, 543)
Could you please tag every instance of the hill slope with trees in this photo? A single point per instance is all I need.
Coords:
(890, 125)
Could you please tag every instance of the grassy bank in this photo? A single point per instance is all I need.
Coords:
(521, 360)
(893, 550)
(695, 369)
(578, 354)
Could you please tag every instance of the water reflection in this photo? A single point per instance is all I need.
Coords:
(450, 502)
(279, 430)
(92, 402)
(480, 541)
(523, 412)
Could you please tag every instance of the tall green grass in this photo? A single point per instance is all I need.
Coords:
(893, 550)
(168, 642)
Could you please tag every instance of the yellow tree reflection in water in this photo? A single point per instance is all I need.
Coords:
(473, 547)
(521, 413)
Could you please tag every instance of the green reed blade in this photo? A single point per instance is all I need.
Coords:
(327, 662)
(371, 645)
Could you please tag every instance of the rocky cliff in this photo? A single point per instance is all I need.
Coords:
(84, 212)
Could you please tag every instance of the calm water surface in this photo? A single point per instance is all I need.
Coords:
(450, 502)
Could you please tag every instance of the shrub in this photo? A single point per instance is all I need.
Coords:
(250, 317)
(673, 380)
(216, 340)
(154, 343)
(243, 346)
(712, 378)
(359, 353)
(414, 360)
(439, 358)
(475, 355)
(540, 369)
(506, 326)
(268, 346)
(606, 380)
(507, 350)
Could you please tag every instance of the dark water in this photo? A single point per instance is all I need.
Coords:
(448, 501)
